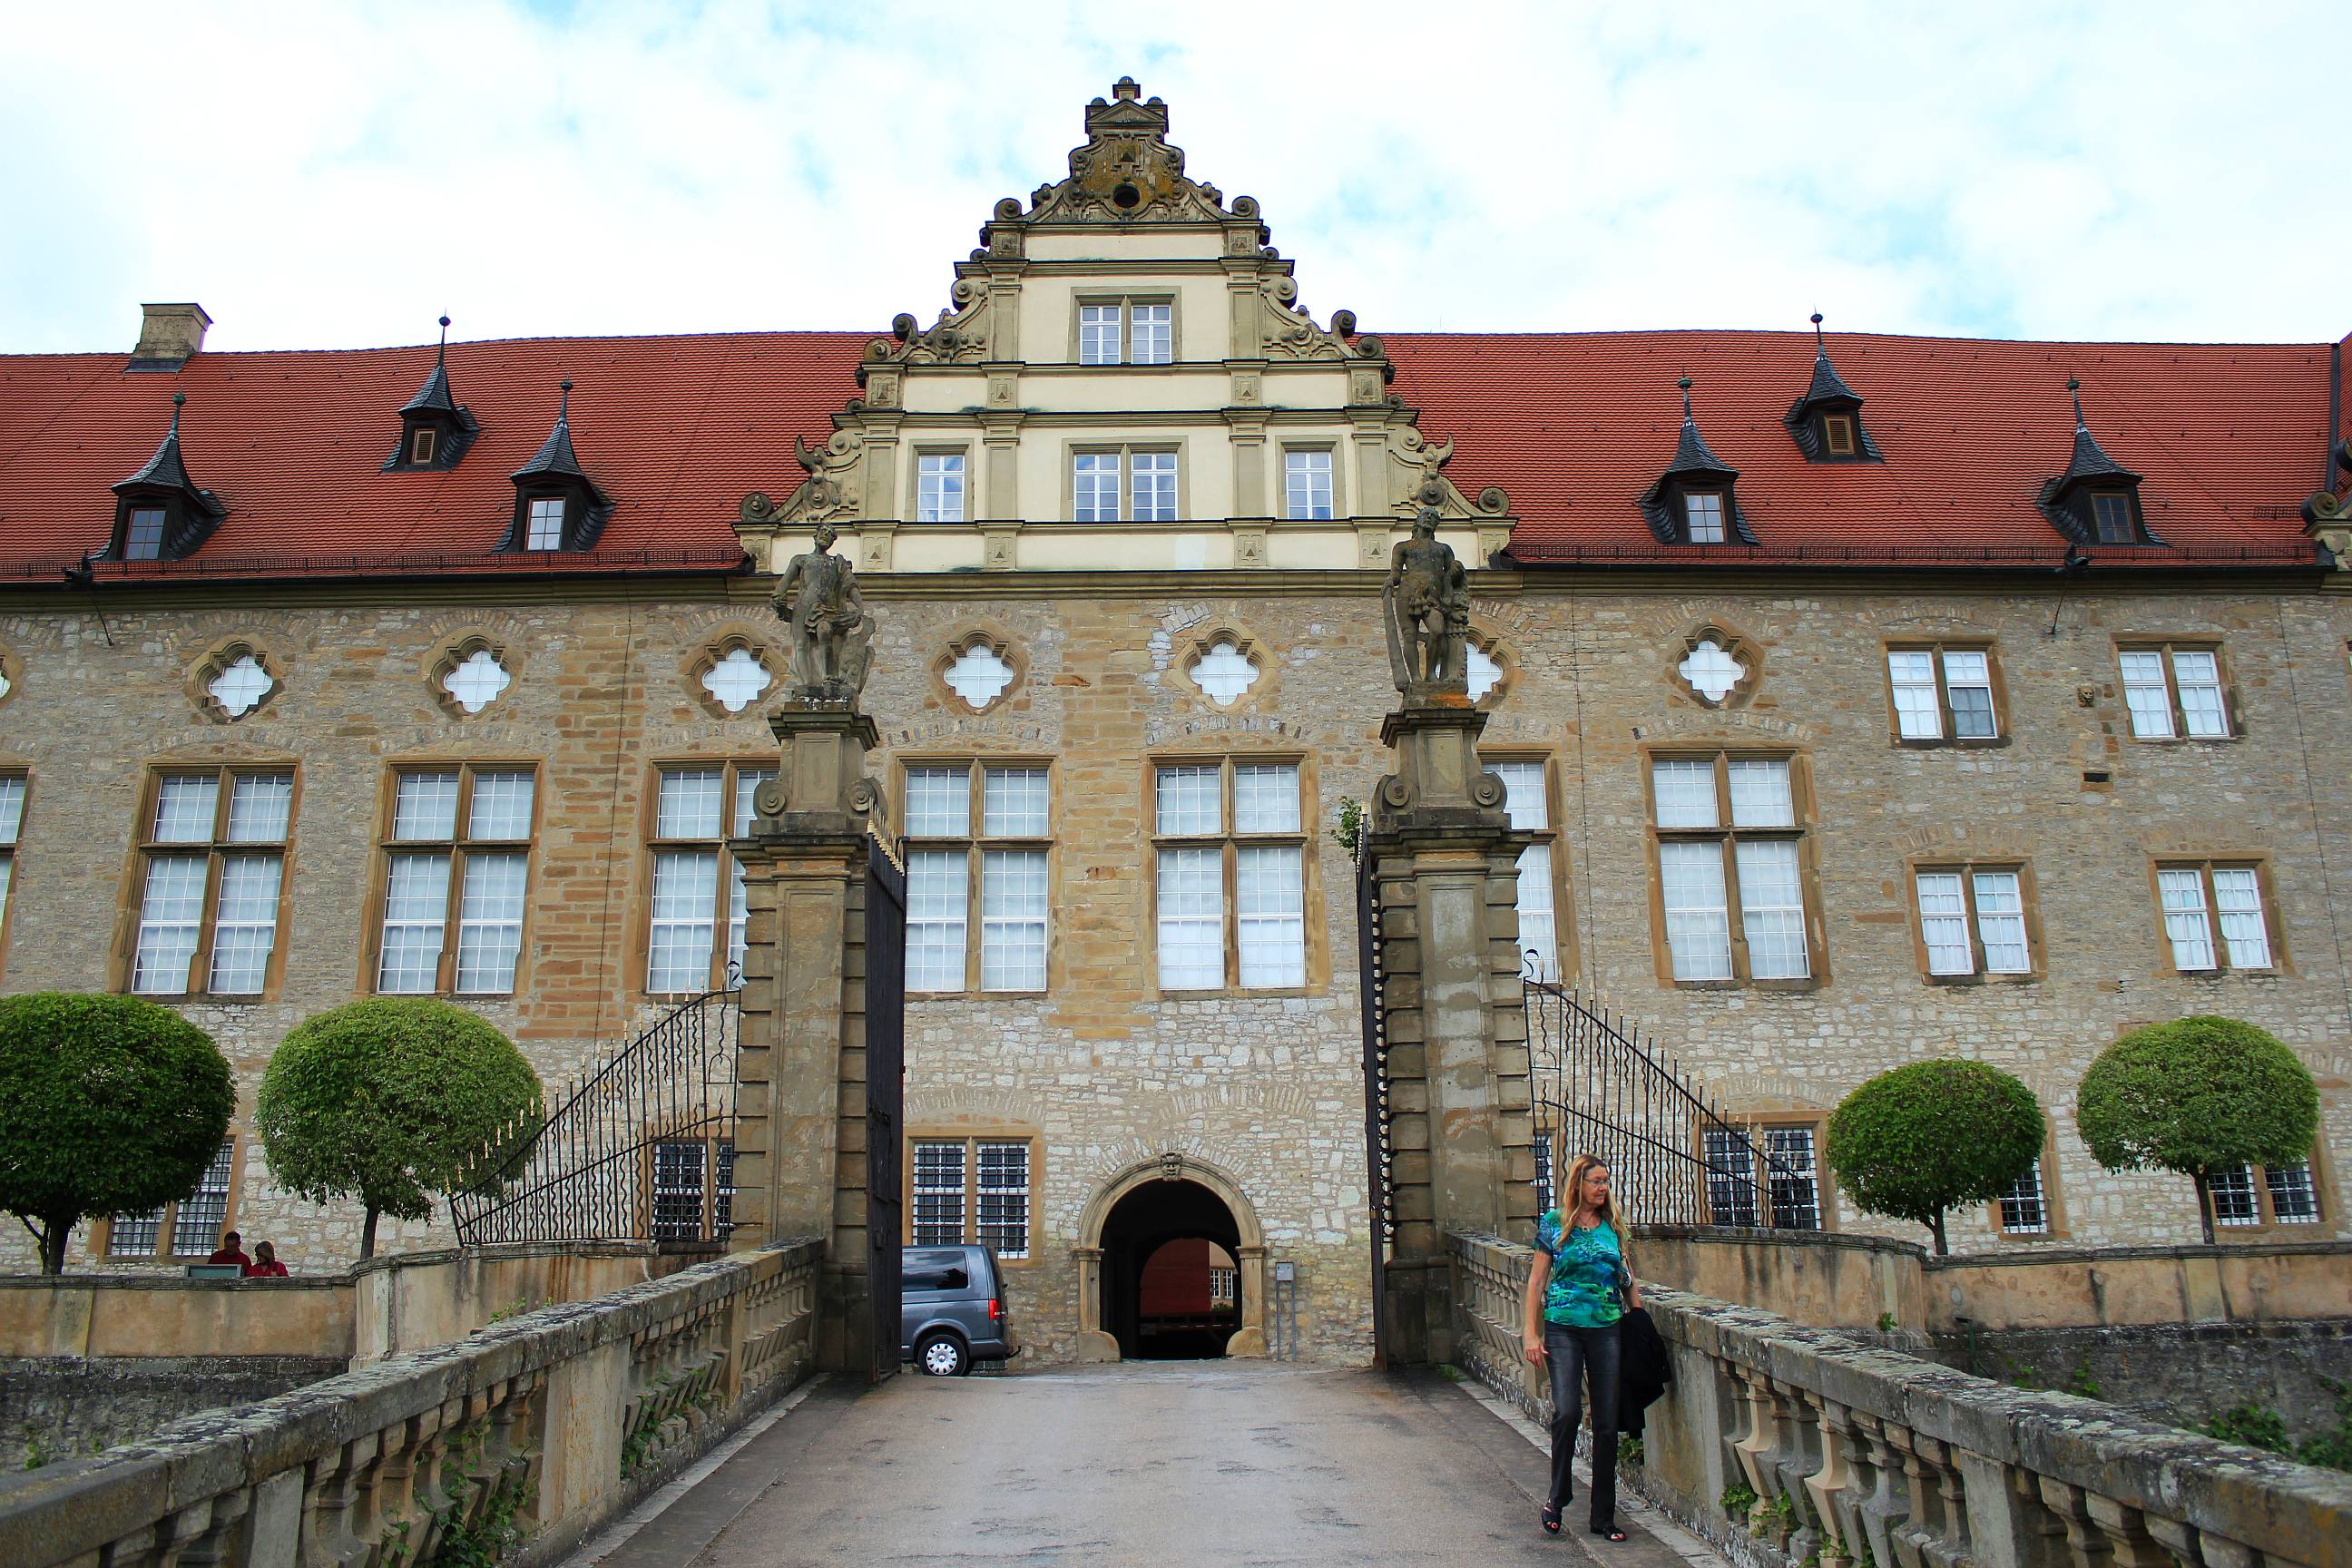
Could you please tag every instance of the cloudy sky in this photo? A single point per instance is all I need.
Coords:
(327, 175)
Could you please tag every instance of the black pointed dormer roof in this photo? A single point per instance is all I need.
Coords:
(167, 469)
(556, 470)
(2090, 461)
(435, 408)
(2064, 499)
(1695, 467)
(555, 459)
(1827, 393)
(163, 480)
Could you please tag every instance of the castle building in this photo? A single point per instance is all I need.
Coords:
(1861, 698)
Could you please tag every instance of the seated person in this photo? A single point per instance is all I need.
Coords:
(232, 1250)
(265, 1264)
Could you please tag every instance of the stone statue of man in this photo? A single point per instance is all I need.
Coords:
(1427, 600)
(833, 636)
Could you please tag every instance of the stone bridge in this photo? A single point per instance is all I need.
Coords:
(666, 1422)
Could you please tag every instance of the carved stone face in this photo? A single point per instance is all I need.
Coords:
(825, 535)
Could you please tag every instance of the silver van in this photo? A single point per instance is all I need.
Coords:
(952, 1310)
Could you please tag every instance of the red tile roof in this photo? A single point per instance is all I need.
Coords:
(1575, 426)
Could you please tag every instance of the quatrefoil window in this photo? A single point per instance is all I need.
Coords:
(979, 676)
(476, 683)
(736, 678)
(1224, 673)
(1479, 666)
(240, 688)
(1710, 669)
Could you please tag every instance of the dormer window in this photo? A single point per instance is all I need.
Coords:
(1826, 421)
(556, 506)
(161, 514)
(435, 431)
(2096, 499)
(1696, 499)
(1837, 434)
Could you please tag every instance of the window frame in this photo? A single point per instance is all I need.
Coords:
(1685, 495)
(962, 455)
(1553, 837)
(713, 1166)
(2166, 649)
(1802, 809)
(1126, 305)
(1329, 451)
(1948, 735)
(531, 519)
(1832, 424)
(1126, 452)
(12, 851)
(386, 846)
(102, 1228)
(1755, 1123)
(2266, 1222)
(146, 847)
(2205, 866)
(167, 510)
(2053, 1209)
(1229, 842)
(424, 444)
(731, 770)
(974, 843)
(971, 1135)
(1966, 870)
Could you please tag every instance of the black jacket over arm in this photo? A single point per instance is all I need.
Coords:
(1644, 1371)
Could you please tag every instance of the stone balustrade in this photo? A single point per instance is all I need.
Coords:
(1830, 1448)
(534, 1431)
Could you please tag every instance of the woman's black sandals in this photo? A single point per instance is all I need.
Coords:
(1550, 1520)
(1609, 1531)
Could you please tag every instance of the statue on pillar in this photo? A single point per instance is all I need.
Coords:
(1427, 603)
(833, 636)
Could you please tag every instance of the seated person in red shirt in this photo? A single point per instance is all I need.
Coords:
(232, 1250)
(265, 1264)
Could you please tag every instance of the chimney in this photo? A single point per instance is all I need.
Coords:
(169, 335)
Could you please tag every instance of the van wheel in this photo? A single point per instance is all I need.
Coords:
(942, 1355)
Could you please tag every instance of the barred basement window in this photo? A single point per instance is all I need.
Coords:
(211, 880)
(193, 1225)
(692, 1189)
(2024, 1208)
(1230, 857)
(970, 1191)
(2249, 1196)
(2190, 896)
(1762, 1175)
(452, 899)
(696, 810)
(991, 849)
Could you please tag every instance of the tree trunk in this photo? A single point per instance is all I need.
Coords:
(55, 1231)
(2204, 1206)
(367, 1235)
(1935, 1228)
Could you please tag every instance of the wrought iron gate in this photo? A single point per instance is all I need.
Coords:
(885, 1057)
(1377, 1153)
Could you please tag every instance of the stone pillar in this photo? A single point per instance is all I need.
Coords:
(1462, 1129)
(800, 1137)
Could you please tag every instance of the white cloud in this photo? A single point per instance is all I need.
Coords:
(337, 176)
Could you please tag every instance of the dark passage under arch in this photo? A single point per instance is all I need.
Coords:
(1159, 1318)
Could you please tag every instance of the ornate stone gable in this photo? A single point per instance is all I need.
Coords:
(1128, 171)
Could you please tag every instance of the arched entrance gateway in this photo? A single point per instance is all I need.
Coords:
(1145, 1233)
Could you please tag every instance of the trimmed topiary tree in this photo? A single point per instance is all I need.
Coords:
(2196, 1096)
(388, 1101)
(108, 1105)
(1921, 1140)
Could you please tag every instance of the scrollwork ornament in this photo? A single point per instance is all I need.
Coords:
(1487, 791)
(865, 795)
(769, 801)
(1394, 794)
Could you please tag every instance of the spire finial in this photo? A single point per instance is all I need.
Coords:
(1819, 347)
(443, 356)
(1686, 384)
(179, 400)
(2074, 390)
(563, 412)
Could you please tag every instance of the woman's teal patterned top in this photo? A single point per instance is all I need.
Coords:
(1583, 1290)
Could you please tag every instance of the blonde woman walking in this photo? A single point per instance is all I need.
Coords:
(1578, 1289)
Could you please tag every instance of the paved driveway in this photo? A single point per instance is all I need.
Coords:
(1178, 1463)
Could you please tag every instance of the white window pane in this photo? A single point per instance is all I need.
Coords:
(244, 927)
(1224, 673)
(1270, 893)
(1685, 792)
(259, 805)
(939, 802)
(12, 809)
(1192, 920)
(415, 909)
(937, 1219)
(546, 531)
(1538, 933)
(940, 487)
(747, 786)
(978, 676)
(1480, 672)
(1759, 794)
(2200, 677)
(686, 892)
(937, 892)
(1013, 802)
(1944, 923)
(1094, 487)
(2237, 899)
(739, 918)
(2183, 895)
(184, 805)
(1188, 801)
(1772, 909)
(1154, 480)
(2293, 1199)
(1004, 1192)
(490, 922)
(143, 538)
(1524, 800)
(1705, 514)
(2001, 922)
(1266, 797)
(1013, 920)
(2144, 695)
(688, 804)
(170, 916)
(1698, 928)
(1099, 334)
(1916, 708)
(2233, 1197)
(1307, 485)
(424, 805)
(1152, 330)
(501, 806)
(7, 875)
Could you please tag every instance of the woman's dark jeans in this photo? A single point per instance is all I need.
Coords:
(1587, 1356)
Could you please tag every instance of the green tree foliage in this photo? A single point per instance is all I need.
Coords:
(2196, 1096)
(108, 1105)
(1917, 1141)
(388, 1101)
